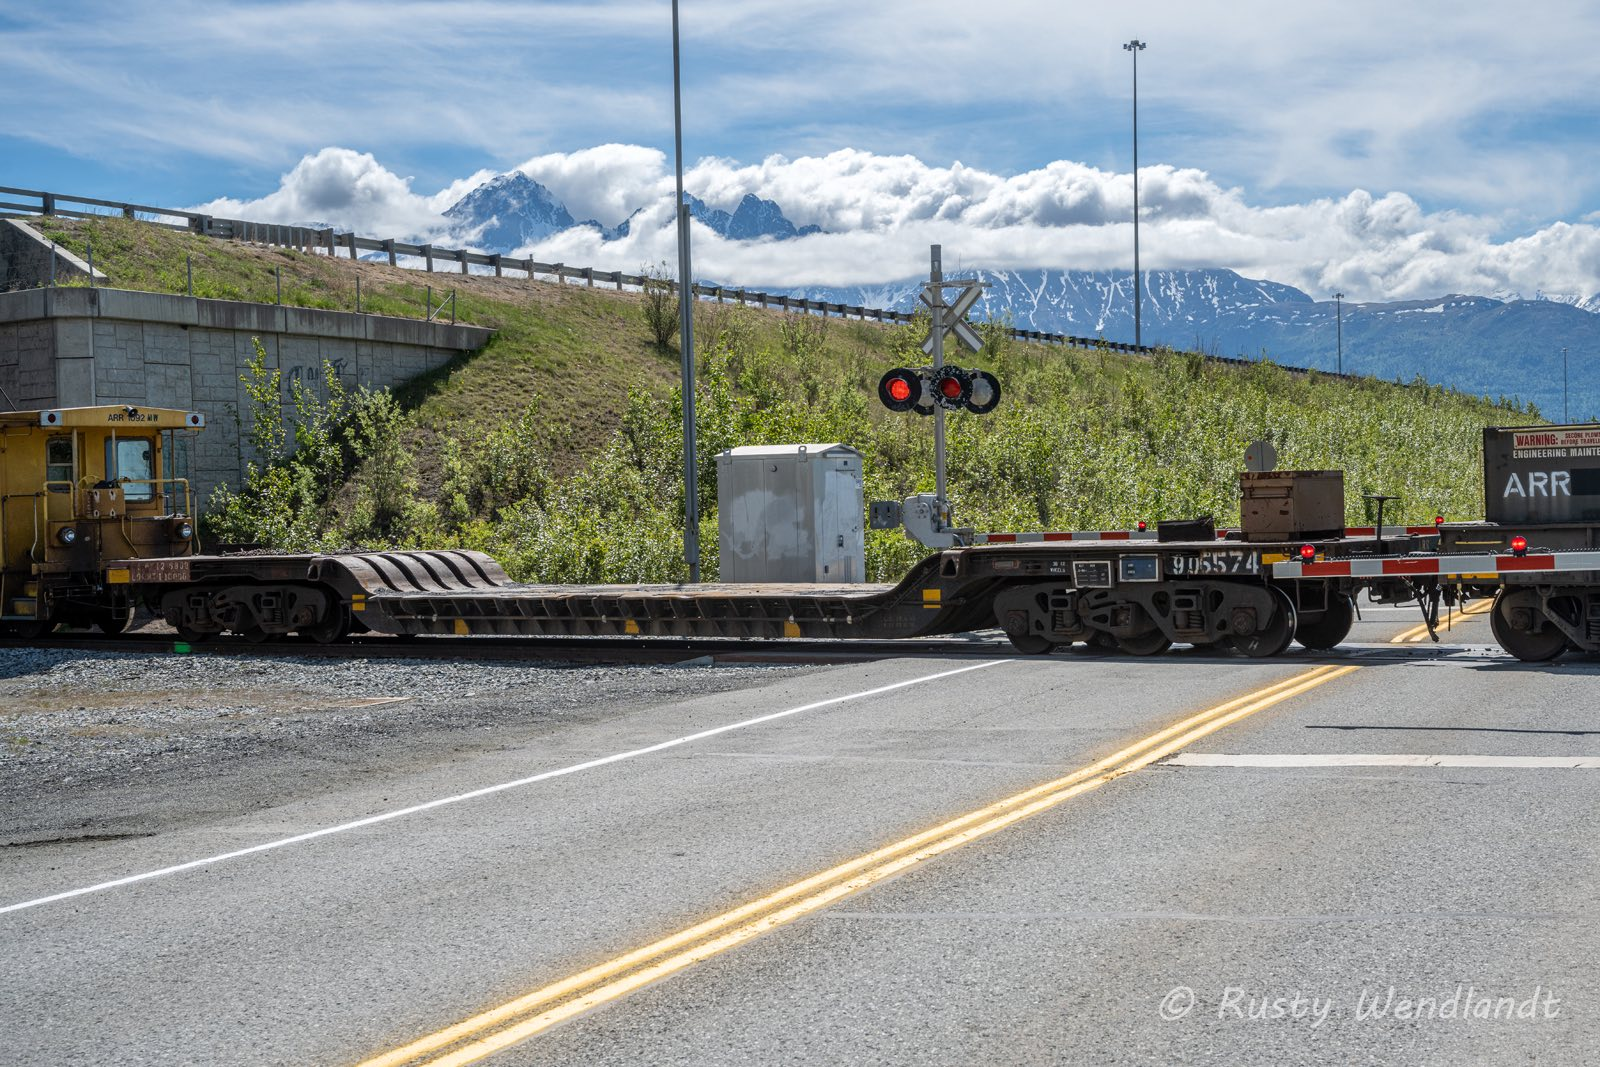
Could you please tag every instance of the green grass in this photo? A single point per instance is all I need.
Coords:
(575, 401)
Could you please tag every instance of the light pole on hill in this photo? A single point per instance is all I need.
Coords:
(1136, 46)
(1338, 327)
(1566, 409)
(691, 480)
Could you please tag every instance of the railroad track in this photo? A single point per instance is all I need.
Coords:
(662, 650)
(548, 649)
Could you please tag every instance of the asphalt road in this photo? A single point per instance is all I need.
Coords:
(1148, 918)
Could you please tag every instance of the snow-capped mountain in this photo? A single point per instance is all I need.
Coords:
(512, 210)
(752, 220)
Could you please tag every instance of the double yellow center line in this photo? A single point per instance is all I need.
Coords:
(517, 1020)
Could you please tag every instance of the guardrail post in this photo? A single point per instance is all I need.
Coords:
(47, 203)
(351, 240)
(588, 277)
(388, 246)
(619, 281)
(495, 259)
(427, 257)
(461, 254)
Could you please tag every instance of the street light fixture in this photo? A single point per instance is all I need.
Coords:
(1338, 326)
(691, 479)
(1136, 46)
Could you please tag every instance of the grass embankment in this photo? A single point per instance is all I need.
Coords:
(529, 450)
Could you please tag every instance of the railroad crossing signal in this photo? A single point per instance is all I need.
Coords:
(949, 387)
(954, 318)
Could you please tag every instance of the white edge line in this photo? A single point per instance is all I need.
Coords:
(373, 820)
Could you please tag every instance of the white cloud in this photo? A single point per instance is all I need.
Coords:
(606, 182)
(882, 212)
(351, 190)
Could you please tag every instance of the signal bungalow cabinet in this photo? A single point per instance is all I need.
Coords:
(791, 513)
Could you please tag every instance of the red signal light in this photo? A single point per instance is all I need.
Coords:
(1142, 526)
(900, 389)
(1519, 545)
(1438, 520)
(1308, 552)
(952, 388)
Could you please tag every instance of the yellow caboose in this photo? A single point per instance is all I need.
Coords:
(79, 488)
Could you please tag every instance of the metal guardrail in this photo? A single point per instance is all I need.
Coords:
(331, 242)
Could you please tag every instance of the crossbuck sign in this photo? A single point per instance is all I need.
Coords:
(952, 322)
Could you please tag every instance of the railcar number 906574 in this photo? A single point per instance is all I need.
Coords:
(1200, 564)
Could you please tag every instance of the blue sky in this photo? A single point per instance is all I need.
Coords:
(1383, 148)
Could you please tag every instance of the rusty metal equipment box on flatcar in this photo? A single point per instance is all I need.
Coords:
(1538, 475)
(1290, 505)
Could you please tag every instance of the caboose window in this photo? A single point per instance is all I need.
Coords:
(134, 465)
(58, 461)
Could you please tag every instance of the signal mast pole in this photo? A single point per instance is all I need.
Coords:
(935, 290)
(691, 479)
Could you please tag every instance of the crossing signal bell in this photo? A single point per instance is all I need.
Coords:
(950, 387)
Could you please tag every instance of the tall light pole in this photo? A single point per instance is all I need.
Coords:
(1136, 46)
(691, 478)
(1338, 326)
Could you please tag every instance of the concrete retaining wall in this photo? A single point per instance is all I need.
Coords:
(76, 347)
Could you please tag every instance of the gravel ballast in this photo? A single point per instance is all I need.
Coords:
(98, 744)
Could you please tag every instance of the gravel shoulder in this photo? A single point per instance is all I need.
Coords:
(97, 745)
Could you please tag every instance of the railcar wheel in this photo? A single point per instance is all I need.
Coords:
(1273, 636)
(112, 623)
(336, 627)
(1030, 644)
(1524, 644)
(193, 637)
(1151, 644)
(1334, 625)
